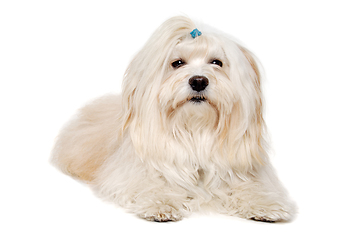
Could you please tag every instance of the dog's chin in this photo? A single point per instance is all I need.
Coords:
(199, 104)
(194, 114)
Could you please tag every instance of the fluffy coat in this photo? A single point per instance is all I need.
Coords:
(162, 153)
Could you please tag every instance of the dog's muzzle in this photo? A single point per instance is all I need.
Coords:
(198, 84)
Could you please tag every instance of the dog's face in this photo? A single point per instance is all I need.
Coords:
(195, 90)
(197, 75)
(202, 82)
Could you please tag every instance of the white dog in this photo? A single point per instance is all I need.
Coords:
(185, 134)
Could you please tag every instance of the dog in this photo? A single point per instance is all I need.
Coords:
(185, 134)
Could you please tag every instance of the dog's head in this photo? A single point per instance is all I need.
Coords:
(182, 82)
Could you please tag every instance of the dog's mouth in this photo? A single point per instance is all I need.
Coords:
(198, 99)
(193, 99)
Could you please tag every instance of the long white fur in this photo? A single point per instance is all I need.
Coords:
(161, 156)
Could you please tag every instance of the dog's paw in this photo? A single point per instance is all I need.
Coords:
(275, 213)
(163, 213)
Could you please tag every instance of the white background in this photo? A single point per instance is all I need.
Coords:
(57, 55)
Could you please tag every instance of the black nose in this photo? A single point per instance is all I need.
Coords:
(198, 83)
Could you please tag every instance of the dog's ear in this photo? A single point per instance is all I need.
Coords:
(127, 106)
(246, 127)
(254, 135)
(252, 61)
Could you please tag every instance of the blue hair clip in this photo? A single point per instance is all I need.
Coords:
(195, 33)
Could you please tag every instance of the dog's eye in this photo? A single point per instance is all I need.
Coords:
(217, 62)
(178, 63)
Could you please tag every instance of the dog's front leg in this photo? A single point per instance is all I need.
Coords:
(260, 197)
(162, 204)
(152, 193)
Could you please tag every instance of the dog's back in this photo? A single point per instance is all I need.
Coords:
(88, 139)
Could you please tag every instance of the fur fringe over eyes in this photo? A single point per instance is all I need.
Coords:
(186, 130)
